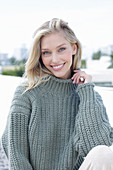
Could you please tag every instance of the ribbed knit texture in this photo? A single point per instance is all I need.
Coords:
(55, 125)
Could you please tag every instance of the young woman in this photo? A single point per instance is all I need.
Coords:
(56, 120)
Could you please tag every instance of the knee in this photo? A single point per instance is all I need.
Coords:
(101, 153)
(100, 157)
(101, 149)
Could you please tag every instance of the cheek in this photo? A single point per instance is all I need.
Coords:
(45, 61)
(68, 56)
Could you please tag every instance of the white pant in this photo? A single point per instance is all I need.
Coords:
(99, 158)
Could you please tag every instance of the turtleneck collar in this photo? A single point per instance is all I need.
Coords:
(55, 85)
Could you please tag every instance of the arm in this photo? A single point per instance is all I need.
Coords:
(15, 137)
(92, 123)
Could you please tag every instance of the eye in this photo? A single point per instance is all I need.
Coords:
(62, 49)
(45, 53)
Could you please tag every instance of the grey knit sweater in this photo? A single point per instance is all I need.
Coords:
(55, 125)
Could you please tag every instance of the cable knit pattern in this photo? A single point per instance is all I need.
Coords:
(54, 125)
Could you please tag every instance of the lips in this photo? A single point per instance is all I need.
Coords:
(57, 67)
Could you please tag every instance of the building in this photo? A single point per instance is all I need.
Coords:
(24, 52)
(4, 59)
(21, 53)
(107, 50)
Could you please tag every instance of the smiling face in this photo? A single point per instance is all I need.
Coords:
(56, 54)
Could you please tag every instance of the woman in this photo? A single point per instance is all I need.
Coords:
(56, 118)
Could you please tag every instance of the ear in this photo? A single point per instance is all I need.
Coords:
(74, 46)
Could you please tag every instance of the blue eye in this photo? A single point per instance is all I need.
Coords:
(61, 49)
(45, 53)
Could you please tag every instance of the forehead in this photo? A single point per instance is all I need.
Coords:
(53, 39)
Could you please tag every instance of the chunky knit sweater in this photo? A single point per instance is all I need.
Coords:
(54, 125)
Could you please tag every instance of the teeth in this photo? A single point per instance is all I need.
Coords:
(58, 66)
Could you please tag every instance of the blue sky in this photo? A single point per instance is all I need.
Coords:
(90, 19)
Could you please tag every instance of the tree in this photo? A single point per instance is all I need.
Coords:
(96, 55)
(14, 72)
(111, 56)
(111, 66)
(83, 63)
(12, 60)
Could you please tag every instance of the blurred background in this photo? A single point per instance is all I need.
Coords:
(92, 22)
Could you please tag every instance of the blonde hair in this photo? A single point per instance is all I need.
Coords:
(35, 69)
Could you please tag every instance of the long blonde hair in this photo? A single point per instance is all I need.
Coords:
(34, 68)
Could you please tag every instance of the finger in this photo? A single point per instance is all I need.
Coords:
(78, 79)
(76, 71)
(74, 78)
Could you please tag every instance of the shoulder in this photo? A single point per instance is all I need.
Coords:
(21, 95)
(21, 92)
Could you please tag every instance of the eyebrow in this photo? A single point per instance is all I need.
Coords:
(56, 47)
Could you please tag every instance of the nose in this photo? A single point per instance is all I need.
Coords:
(54, 58)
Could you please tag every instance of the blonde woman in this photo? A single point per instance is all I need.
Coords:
(56, 120)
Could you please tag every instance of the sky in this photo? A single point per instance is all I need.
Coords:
(91, 20)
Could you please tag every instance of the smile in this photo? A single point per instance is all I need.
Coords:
(58, 67)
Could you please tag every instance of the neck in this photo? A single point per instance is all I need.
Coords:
(53, 84)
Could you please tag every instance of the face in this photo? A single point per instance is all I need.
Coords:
(56, 54)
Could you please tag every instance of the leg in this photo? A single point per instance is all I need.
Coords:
(99, 158)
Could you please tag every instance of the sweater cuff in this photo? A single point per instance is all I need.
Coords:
(86, 91)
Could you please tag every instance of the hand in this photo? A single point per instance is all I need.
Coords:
(80, 77)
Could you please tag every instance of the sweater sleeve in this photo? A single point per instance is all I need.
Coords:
(92, 124)
(15, 137)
